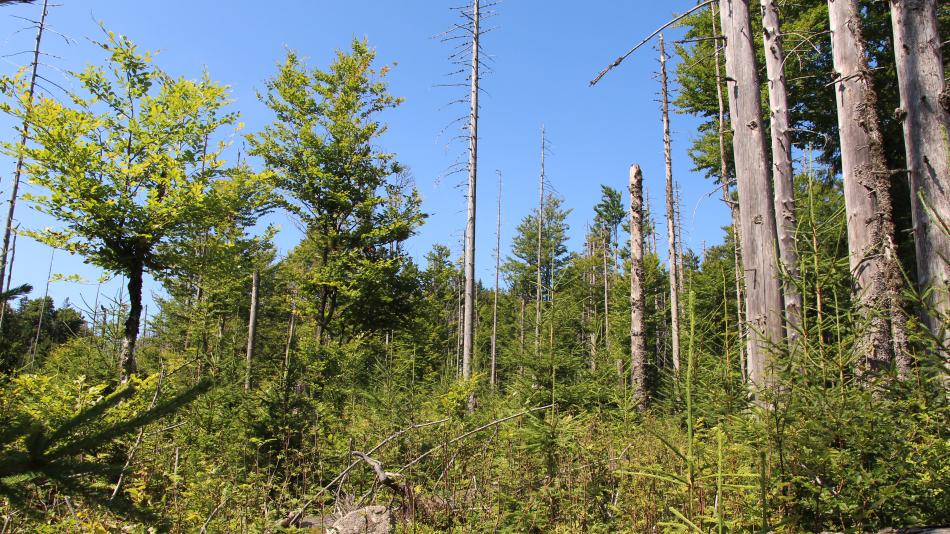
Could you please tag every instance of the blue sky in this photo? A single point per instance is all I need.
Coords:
(542, 56)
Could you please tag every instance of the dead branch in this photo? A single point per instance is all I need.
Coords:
(620, 59)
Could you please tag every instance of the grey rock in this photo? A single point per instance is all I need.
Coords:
(368, 520)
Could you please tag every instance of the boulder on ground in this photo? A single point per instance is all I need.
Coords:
(368, 520)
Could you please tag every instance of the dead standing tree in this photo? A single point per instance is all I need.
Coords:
(637, 309)
(782, 177)
(24, 135)
(925, 110)
(872, 254)
(675, 281)
(468, 341)
(494, 311)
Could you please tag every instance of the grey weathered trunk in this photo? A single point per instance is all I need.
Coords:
(757, 215)
(670, 215)
(782, 177)
(606, 292)
(538, 292)
(468, 336)
(494, 309)
(871, 251)
(733, 206)
(925, 108)
(131, 332)
(638, 358)
(251, 329)
(15, 186)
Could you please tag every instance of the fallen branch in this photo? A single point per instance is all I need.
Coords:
(295, 517)
(470, 432)
(620, 59)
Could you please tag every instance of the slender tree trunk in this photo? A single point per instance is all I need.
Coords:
(538, 292)
(14, 188)
(290, 339)
(782, 177)
(638, 358)
(606, 295)
(757, 214)
(521, 326)
(494, 311)
(131, 332)
(670, 215)
(251, 329)
(39, 321)
(6, 286)
(925, 108)
(871, 251)
(468, 341)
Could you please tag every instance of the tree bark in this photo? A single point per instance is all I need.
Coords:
(871, 251)
(637, 309)
(925, 108)
(670, 215)
(251, 329)
(131, 332)
(757, 215)
(538, 291)
(606, 293)
(782, 177)
(733, 206)
(468, 341)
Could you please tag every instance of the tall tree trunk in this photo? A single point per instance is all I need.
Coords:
(733, 206)
(131, 333)
(925, 108)
(757, 214)
(6, 287)
(871, 252)
(782, 177)
(670, 215)
(494, 309)
(468, 341)
(606, 294)
(14, 188)
(251, 329)
(538, 292)
(638, 358)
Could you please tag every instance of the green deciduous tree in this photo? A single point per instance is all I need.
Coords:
(126, 166)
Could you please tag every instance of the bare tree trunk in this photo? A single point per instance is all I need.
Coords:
(670, 215)
(782, 177)
(290, 339)
(521, 326)
(638, 358)
(606, 294)
(14, 188)
(251, 329)
(871, 251)
(494, 311)
(6, 287)
(925, 108)
(538, 292)
(733, 206)
(468, 342)
(757, 214)
(127, 354)
(39, 321)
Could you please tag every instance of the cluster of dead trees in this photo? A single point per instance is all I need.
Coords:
(764, 217)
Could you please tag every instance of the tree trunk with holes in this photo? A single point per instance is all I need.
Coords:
(871, 252)
(782, 177)
(763, 293)
(638, 357)
(925, 109)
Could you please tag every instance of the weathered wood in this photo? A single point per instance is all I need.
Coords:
(782, 177)
(468, 329)
(251, 329)
(871, 252)
(494, 310)
(757, 215)
(925, 110)
(637, 308)
(670, 214)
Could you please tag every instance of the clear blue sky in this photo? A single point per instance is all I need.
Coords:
(543, 53)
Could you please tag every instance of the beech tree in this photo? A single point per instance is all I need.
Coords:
(126, 167)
